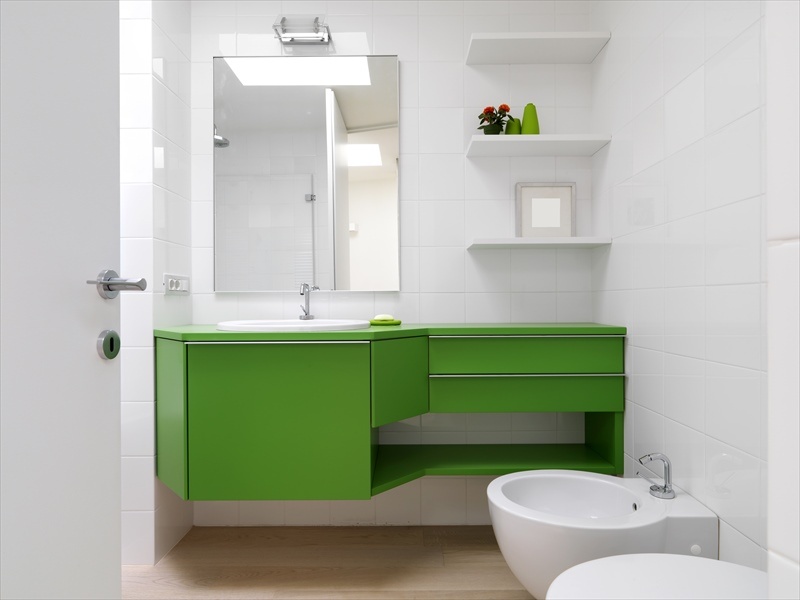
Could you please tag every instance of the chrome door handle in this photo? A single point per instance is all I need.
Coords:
(109, 284)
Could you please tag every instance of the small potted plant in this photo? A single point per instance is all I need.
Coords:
(493, 120)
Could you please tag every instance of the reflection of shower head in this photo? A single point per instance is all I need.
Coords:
(219, 141)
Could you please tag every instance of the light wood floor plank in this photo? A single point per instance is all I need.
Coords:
(359, 563)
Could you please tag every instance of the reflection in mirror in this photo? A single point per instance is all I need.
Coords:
(305, 173)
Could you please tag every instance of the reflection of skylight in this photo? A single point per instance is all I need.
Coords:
(306, 70)
(363, 155)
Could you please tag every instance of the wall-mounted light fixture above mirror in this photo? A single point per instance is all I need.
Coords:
(296, 198)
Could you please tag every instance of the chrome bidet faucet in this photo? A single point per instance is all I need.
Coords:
(305, 291)
(659, 491)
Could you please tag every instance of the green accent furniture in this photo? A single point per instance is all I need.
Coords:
(294, 416)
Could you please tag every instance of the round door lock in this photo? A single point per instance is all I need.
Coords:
(108, 344)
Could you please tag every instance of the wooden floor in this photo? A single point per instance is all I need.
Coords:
(365, 563)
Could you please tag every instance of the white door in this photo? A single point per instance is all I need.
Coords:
(60, 403)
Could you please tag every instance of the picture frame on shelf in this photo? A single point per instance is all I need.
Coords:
(545, 210)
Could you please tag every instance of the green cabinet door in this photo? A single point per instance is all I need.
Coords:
(279, 421)
(399, 379)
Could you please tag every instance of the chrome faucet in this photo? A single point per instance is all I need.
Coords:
(659, 491)
(305, 291)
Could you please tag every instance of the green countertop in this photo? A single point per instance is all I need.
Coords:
(209, 333)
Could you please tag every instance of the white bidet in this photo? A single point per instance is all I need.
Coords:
(547, 521)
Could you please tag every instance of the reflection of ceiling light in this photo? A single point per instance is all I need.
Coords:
(363, 155)
(300, 70)
(302, 30)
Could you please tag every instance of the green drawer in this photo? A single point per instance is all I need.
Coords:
(532, 393)
(525, 354)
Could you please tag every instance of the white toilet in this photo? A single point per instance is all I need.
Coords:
(658, 577)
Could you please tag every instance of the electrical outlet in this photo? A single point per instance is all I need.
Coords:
(176, 284)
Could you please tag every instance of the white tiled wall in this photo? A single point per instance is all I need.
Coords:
(155, 234)
(680, 86)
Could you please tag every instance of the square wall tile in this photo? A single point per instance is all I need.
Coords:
(733, 161)
(733, 80)
(534, 308)
(739, 549)
(136, 101)
(396, 34)
(136, 374)
(135, 46)
(136, 156)
(440, 37)
(138, 428)
(400, 505)
(308, 512)
(441, 223)
(441, 177)
(488, 308)
(138, 530)
(726, 20)
(686, 450)
(733, 406)
(574, 307)
(685, 391)
(138, 483)
(441, 269)
(684, 44)
(684, 177)
(477, 501)
(684, 113)
(216, 514)
(733, 315)
(443, 500)
(734, 238)
(488, 271)
(136, 210)
(261, 513)
(684, 252)
(733, 481)
(352, 512)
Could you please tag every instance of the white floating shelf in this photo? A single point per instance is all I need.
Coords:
(553, 243)
(580, 47)
(546, 144)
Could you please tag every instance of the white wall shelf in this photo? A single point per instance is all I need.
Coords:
(554, 243)
(580, 47)
(549, 144)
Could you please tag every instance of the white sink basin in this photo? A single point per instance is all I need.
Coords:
(293, 325)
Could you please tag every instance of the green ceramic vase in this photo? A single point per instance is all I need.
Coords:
(530, 120)
(514, 126)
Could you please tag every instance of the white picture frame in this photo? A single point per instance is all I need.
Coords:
(545, 209)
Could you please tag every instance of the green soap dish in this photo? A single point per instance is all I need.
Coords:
(386, 322)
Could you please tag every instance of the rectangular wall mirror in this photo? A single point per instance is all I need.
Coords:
(306, 173)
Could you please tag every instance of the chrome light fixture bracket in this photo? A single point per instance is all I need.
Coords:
(302, 31)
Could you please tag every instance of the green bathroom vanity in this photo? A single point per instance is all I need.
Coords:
(295, 416)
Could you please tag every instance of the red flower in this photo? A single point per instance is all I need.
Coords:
(490, 116)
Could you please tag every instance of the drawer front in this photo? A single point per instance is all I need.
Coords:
(399, 379)
(527, 393)
(525, 354)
